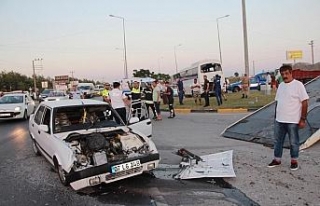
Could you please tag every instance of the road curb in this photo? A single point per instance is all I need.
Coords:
(182, 111)
(239, 110)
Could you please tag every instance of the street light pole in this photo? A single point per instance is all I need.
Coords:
(217, 20)
(124, 44)
(175, 56)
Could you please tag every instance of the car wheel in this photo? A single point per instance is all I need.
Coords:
(35, 148)
(25, 115)
(61, 173)
(236, 89)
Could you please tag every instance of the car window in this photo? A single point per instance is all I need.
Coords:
(46, 119)
(38, 117)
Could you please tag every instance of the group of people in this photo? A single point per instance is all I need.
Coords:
(196, 90)
(153, 94)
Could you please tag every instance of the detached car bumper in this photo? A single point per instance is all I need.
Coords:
(103, 173)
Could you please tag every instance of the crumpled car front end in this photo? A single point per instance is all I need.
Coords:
(105, 157)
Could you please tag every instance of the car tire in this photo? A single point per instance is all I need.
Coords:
(35, 148)
(64, 179)
(236, 89)
(25, 115)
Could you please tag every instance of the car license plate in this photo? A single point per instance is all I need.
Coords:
(125, 166)
(5, 115)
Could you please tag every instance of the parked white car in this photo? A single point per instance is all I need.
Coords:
(88, 144)
(17, 105)
(87, 89)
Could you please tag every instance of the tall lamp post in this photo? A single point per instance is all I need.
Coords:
(175, 56)
(217, 20)
(124, 45)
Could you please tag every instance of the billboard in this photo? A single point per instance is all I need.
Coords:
(296, 54)
(62, 79)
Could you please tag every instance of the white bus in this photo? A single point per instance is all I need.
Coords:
(196, 71)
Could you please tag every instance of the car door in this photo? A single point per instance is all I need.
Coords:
(35, 123)
(45, 137)
(143, 124)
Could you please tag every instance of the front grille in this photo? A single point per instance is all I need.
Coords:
(123, 173)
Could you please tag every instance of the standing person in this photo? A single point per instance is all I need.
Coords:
(206, 90)
(149, 101)
(245, 84)
(180, 90)
(169, 93)
(156, 98)
(118, 101)
(136, 99)
(75, 93)
(291, 113)
(105, 92)
(195, 87)
(217, 89)
(268, 83)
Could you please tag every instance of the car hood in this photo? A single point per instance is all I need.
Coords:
(10, 106)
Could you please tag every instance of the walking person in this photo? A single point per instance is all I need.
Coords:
(206, 90)
(291, 113)
(119, 101)
(149, 101)
(156, 98)
(180, 90)
(245, 84)
(195, 87)
(217, 89)
(169, 93)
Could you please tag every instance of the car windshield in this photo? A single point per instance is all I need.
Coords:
(72, 118)
(11, 99)
(46, 91)
(84, 87)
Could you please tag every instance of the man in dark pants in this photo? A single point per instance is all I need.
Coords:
(217, 89)
(206, 90)
(169, 93)
(149, 101)
(291, 113)
(118, 101)
(180, 90)
(136, 99)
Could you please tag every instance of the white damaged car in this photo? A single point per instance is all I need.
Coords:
(88, 144)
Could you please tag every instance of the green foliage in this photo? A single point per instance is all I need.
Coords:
(146, 73)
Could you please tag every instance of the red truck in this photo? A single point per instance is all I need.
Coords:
(305, 72)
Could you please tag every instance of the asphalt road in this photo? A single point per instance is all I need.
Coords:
(27, 179)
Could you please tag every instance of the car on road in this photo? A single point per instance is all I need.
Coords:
(88, 144)
(44, 94)
(56, 96)
(87, 89)
(16, 105)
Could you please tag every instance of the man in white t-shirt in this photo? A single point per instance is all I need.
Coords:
(291, 113)
(195, 87)
(118, 101)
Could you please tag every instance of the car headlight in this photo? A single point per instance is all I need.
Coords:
(17, 109)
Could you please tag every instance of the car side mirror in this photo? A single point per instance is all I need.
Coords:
(44, 128)
(133, 120)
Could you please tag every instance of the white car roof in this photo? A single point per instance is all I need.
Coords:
(15, 94)
(73, 102)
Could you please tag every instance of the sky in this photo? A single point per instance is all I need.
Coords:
(78, 37)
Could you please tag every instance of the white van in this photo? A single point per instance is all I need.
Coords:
(87, 89)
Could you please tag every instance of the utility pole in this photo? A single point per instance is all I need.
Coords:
(312, 54)
(72, 76)
(34, 68)
(245, 38)
(253, 68)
